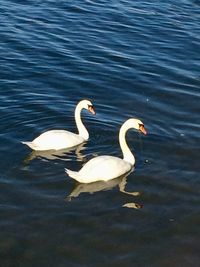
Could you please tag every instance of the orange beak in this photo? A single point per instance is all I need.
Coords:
(142, 129)
(91, 109)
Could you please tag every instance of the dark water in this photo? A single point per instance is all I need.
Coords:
(132, 59)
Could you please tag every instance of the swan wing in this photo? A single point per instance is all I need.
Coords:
(103, 168)
(56, 139)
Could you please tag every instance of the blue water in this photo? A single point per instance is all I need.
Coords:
(131, 59)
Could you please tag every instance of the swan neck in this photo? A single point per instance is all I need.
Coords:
(127, 154)
(82, 131)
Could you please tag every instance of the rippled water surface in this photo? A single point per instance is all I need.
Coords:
(132, 59)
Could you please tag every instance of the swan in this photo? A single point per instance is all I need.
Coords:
(105, 168)
(61, 139)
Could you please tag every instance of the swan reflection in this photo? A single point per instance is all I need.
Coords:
(57, 154)
(104, 186)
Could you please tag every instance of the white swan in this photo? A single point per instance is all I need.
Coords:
(104, 168)
(61, 139)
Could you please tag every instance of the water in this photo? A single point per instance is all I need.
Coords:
(132, 59)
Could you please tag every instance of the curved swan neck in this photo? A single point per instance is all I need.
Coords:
(82, 131)
(127, 154)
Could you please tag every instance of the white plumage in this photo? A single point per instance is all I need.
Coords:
(102, 168)
(55, 139)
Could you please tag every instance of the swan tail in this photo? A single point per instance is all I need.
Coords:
(31, 145)
(73, 174)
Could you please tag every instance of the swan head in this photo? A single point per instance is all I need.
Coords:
(87, 104)
(137, 124)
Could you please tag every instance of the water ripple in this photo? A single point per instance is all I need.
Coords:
(132, 59)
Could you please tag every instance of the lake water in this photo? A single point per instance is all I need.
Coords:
(132, 59)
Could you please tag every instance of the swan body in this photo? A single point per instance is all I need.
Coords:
(105, 168)
(61, 139)
(102, 168)
(55, 139)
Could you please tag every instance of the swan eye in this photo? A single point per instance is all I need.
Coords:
(91, 109)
